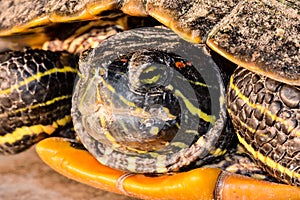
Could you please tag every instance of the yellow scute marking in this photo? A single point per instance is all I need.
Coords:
(264, 159)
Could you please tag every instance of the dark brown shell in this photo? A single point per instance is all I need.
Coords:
(260, 35)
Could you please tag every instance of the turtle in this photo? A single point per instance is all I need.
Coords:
(261, 37)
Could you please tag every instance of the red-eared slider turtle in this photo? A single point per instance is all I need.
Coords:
(136, 91)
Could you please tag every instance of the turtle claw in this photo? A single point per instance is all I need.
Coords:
(120, 182)
(201, 183)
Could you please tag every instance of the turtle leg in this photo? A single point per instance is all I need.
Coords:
(265, 110)
(71, 160)
(35, 96)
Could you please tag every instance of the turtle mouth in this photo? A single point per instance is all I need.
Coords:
(132, 129)
(150, 144)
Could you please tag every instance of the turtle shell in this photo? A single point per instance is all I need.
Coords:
(260, 35)
(32, 23)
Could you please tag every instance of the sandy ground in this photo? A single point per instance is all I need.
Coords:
(25, 176)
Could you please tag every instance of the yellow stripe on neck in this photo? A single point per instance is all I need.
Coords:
(38, 105)
(38, 76)
(19, 133)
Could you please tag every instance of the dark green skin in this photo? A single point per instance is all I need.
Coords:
(25, 106)
(276, 138)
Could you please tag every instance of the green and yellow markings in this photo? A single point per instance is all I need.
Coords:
(262, 109)
(152, 80)
(38, 76)
(194, 110)
(113, 91)
(181, 145)
(20, 132)
(267, 160)
(196, 83)
(150, 69)
(264, 159)
(106, 133)
(218, 152)
(38, 105)
(138, 111)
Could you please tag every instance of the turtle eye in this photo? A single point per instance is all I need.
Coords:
(147, 71)
(151, 76)
(129, 109)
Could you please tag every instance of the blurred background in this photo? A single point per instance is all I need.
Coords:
(25, 176)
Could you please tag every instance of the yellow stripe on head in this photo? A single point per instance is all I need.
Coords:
(194, 110)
